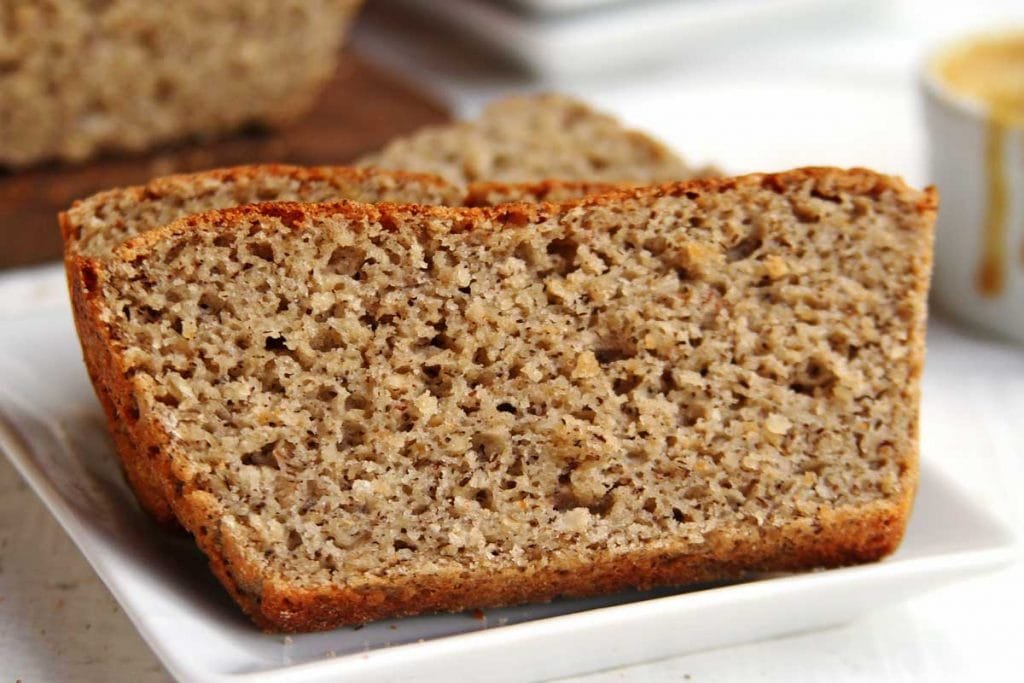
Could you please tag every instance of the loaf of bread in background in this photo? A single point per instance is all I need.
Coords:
(527, 138)
(79, 77)
(370, 410)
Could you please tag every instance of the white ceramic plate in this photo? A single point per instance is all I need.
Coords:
(52, 429)
(617, 35)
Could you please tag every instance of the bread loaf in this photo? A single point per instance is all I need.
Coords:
(530, 138)
(78, 78)
(362, 411)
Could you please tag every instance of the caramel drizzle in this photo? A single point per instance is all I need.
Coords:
(991, 278)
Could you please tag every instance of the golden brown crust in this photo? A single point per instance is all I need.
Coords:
(832, 538)
(827, 181)
(493, 193)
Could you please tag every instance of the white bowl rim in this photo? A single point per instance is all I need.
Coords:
(935, 86)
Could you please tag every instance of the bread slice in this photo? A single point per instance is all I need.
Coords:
(530, 138)
(82, 78)
(95, 226)
(362, 411)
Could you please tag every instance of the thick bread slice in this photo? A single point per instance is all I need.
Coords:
(362, 411)
(530, 138)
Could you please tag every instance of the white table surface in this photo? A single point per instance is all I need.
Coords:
(843, 98)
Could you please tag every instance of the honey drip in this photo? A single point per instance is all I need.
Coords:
(990, 70)
(991, 277)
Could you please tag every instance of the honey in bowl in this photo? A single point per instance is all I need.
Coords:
(990, 71)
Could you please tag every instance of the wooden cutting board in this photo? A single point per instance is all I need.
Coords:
(360, 110)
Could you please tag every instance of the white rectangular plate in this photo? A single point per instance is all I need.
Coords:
(51, 427)
(613, 36)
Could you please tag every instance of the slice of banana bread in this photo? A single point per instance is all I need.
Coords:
(533, 138)
(79, 77)
(362, 411)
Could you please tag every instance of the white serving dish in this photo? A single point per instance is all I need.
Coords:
(613, 36)
(52, 429)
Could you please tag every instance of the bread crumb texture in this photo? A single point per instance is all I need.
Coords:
(369, 410)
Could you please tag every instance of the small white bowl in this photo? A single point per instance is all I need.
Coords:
(978, 166)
